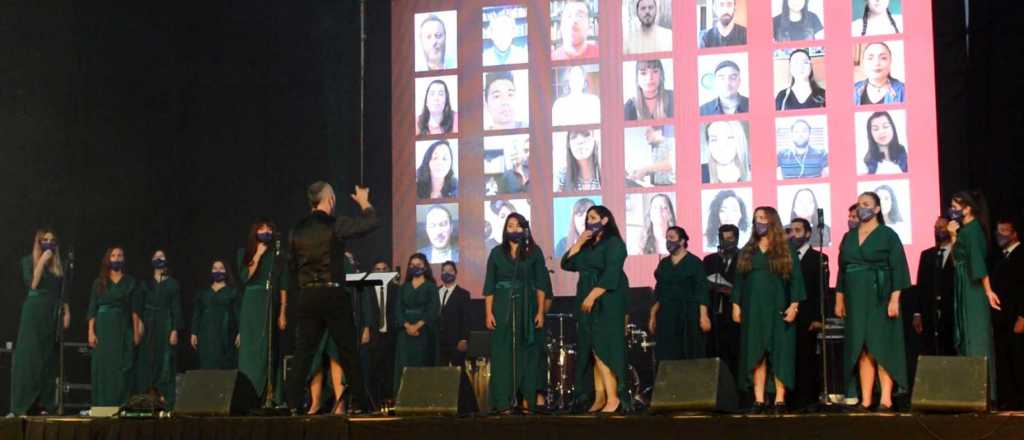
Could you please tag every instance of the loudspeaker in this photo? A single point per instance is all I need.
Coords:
(429, 391)
(694, 385)
(950, 384)
(216, 393)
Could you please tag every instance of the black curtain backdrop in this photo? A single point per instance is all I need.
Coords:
(175, 125)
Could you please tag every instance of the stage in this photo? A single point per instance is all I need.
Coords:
(830, 426)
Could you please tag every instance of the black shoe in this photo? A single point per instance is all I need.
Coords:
(780, 408)
(885, 409)
(618, 409)
(757, 409)
(859, 409)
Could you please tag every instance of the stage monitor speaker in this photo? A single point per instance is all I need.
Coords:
(429, 391)
(950, 384)
(216, 393)
(694, 385)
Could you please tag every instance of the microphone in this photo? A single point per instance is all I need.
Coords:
(277, 246)
(71, 257)
(821, 217)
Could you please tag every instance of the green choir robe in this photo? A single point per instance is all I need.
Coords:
(417, 304)
(972, 319)
(112, 358)
(868, 274)
(253, 325)
(680, 290)
(34, 365)
(602, 331)
(159, 308)
(505, 278)
(215, 324)
(762, 295)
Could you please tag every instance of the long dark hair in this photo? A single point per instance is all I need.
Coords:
(609, 230)
(874, 154)
(714, 223)
(447, 116)
(878, 202)
(648, 238)
(979, 208)
(524, 249)
(640, 100)
(572, 166)
(230, 280)
(423, 177)
(102, 280)
(167, 268)
(817, 92)
(894, 207)
(581, 206)
(780, 262)
(251, 241)
(429, 275)
(864, 19)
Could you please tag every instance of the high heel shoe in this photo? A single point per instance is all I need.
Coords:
(604, 413)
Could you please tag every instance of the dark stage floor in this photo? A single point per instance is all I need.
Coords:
(832, 426)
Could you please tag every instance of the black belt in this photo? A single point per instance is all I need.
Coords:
(320, 285)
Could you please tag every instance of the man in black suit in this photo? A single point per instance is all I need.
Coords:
(929, 304)
(809, 320)
(455, 326)
(721, 266)
(378, 338)
(1008, 324)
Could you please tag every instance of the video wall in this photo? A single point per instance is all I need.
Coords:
(669, 112)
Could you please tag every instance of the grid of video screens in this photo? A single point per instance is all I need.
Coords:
(669, 112)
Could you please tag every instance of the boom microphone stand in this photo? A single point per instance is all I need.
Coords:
(68, 279)
(823, 279)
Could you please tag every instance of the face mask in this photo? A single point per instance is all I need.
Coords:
(852, 224)
(48, 246)
(117, 266)
(673, 246)
(727, 245)
(760, 229)
(798, 242)
(417, 271)
(595, 227)
(159, 263)
(518, 237)
(865, 214)
(1002, 240)
(941, 236)
(219, 276)
(448, 277)
(265, 237)
(956, 214)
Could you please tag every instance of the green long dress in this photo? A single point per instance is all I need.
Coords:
(680, 290)
(253, 325)
(35, 353)
(414, 305)
(602, 331)
(507, 277)
(215, 324)
(112, 358)
(762, 295)
(160, 310)
(868, 274)
(972, 319)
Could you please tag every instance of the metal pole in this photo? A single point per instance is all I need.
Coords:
(362, 89)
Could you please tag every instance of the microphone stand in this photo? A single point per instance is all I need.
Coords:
(69, 277)
(823, 280)
(268, 401)
(513, 321)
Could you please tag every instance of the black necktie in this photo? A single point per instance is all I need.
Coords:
(444, 300)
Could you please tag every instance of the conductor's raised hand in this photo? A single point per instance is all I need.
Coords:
(362, 196)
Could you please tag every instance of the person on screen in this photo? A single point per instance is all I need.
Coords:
(501, 210)
(500, 100)
(890, 207)
(725, 32)
(727, 153)
(435, 175)
(663, 160)
(582, 170)
(727, 86)
(877, 19)
(801, 160)
(577, 223)
(878, 86)
(652, 100)
(797, 23)
(727, 208)
(433, 38)
(439, 228)
(803, 90)
(516, 178)
(574, 29)
(650, 37)
(437, 116)
(805, 206)
(886, 155)
(660, 216)
(578, 106)
(502, 31)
